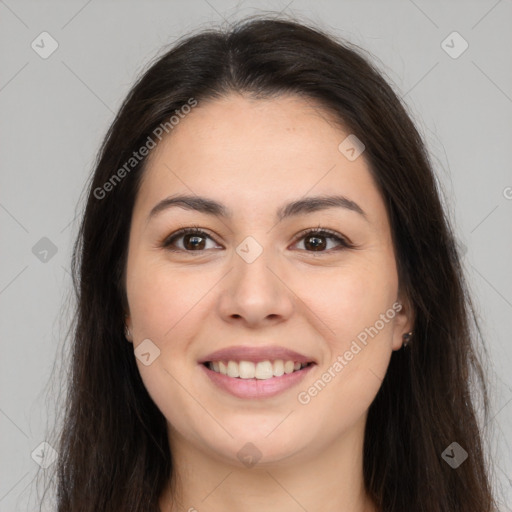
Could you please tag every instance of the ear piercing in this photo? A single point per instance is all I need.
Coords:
(407, 338)
(127, 333)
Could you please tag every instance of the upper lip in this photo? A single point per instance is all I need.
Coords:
(256, 354)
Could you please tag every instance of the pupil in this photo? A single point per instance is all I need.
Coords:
(317, 245)
(194, 239)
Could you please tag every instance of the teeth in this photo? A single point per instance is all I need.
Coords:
(247, 369)
(278, 368)
(233, 369)
(262, 370)
(288, 366)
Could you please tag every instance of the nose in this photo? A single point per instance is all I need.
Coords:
(255, 294)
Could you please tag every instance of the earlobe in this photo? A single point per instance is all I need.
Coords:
(127, 329)
(404, 324)
(407, 338)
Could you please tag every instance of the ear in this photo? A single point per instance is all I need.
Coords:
(128, 329)
(404, 320)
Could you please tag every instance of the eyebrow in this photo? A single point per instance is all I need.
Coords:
(299, 207)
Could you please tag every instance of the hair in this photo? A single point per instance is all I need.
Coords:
(113, 448)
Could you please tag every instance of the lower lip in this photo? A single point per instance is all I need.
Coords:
(256, 388)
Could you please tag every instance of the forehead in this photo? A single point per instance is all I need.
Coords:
(256, 152)
(237, 127)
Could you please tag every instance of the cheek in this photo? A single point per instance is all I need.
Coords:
(163, 300)
(356, 303)
(351, 298)
(165, 306)
(357, 353)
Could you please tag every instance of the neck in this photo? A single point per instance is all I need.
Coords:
(329, 481)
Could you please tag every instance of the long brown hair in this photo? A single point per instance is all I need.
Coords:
(113, 448)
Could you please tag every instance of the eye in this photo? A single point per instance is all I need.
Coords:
(194, 239)
(314, 239)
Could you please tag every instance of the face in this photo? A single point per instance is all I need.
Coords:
(313, 283)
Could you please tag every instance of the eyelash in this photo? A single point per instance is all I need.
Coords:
(196, 230)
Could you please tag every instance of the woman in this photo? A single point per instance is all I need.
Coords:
(271, 310)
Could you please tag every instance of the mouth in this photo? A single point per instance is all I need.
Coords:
(256, 379)
(256, 370)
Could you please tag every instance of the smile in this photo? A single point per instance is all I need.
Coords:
(257, 379)
(261, 370)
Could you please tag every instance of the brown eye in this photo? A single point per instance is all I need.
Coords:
(317, 243)
(316, 240)
(196, 240)
(193, 240)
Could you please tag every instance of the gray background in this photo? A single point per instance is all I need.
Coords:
(55, 112)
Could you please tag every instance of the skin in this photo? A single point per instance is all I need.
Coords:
(254, 156)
